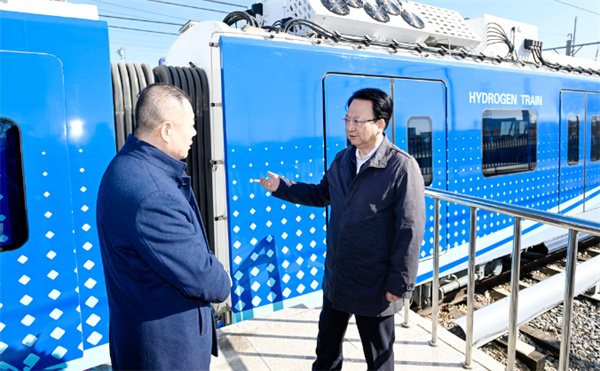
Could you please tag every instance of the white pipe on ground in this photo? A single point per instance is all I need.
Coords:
(491, 321)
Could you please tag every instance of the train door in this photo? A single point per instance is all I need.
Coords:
(39, 303)
(418, 127)
(592, 155)
(572, 150)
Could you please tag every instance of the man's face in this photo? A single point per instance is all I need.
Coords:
(363, 136)
(182, 131)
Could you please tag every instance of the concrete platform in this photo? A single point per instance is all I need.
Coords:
(286, 340)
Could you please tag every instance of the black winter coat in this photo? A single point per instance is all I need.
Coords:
(375, 229)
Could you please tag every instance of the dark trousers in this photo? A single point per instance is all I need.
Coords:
(376, 335)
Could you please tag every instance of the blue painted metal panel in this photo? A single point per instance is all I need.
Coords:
(82, 49)
(312, 76)
(277, 249)
(535, 189)
(38, 300)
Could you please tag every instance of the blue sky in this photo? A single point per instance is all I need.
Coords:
(554, 18)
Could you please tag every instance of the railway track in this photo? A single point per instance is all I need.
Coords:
(538, 345)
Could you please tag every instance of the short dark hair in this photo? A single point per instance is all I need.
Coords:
(383, 105)
(150, 109)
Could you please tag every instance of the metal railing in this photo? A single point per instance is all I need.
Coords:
(574, 226)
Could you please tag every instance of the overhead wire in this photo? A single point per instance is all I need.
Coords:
(141, 30)
(139, 10)
(140, 20)
(575, 6)
(196, 7)
(210, 1)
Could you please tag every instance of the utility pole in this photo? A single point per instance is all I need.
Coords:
(570, 51)
(574, 32)
(121, 52)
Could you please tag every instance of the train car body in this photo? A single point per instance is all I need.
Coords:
(497, 129)
(57, 139)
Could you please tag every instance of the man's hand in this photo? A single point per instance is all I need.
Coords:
(271, 184)
(392, 297)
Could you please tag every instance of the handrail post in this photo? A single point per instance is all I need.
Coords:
(436, 273)
(406, 309)
(471, 287)
(565, 343)
(515, 274)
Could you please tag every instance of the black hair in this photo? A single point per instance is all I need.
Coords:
(383, 106)
(150, 109)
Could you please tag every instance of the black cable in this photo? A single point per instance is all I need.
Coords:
(234, 17)
(497, 36)
(318, 29)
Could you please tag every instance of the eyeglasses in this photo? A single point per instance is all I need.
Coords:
(354, 122)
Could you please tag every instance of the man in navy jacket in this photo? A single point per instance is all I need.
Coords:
(160, 273)
(374, 235)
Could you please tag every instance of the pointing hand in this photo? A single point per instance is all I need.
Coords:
(271, 183)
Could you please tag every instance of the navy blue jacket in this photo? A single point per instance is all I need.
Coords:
(160, 274)
(375, 228)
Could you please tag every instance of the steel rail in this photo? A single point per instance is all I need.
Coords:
(573, 224)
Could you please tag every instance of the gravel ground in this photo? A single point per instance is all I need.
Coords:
(585, 334)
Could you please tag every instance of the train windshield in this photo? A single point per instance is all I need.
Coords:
(13, 213)
(509, 141)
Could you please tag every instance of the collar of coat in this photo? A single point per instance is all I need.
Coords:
(147, 152)
(379, 158)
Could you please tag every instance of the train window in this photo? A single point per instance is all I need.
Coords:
(14, 230)
(595, 146)
(419, 145)
(509, 141)
(573, 140)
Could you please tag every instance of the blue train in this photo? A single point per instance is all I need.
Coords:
(478, 105)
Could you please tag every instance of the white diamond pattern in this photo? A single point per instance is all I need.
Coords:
(54, 294)
(91, 302)
(25, 300)
(93, 320)
(28, 320)
(57, 333)
(24, 280)
(56, 313)
(53, 274)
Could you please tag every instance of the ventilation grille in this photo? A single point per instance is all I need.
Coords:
(444, 22)
(403, 21)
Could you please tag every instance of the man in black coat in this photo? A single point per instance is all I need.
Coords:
(160, 273)
(374, 235)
